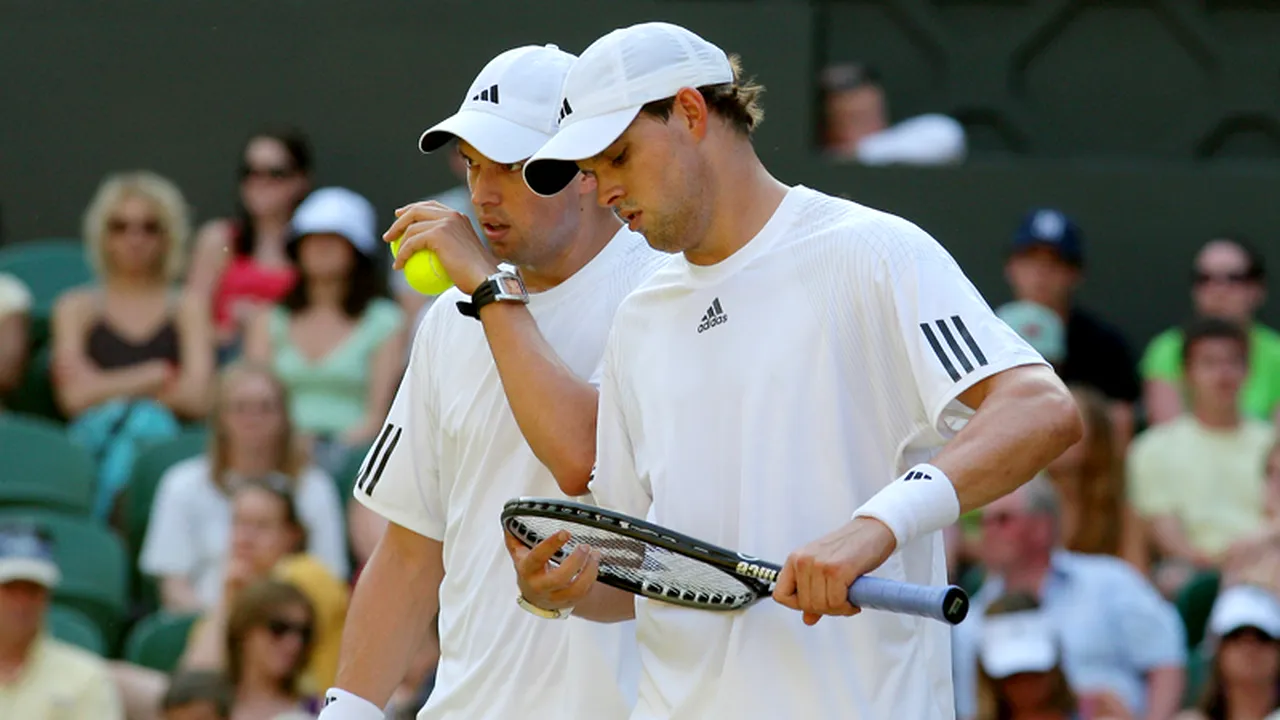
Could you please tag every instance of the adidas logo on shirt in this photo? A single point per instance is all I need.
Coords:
(715, 316)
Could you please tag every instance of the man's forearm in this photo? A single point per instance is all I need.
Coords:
(1164, 692)
(1025, 419)
(555, 409)
(391, 610)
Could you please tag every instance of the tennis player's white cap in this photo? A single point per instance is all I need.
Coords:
(511, 108)
(605, 89)
(1017, 642)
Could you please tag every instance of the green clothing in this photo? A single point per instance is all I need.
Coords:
(1261, 392)
(329, 396)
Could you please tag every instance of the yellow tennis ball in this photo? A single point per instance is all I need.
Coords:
(423, 271)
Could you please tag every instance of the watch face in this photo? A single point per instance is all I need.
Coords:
(511, 286)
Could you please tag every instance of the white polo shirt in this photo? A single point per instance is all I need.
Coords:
(756, 404)
(450, 455)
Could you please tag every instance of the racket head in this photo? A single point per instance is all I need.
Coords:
(638, 556)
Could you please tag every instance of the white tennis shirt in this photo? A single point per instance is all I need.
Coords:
(448, 458)
(757, 403)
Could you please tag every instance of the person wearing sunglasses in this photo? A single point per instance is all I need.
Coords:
(268, 643)
(239, 265)
(1228, 281)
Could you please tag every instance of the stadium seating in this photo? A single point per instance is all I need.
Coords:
(42, 468)
(94, 568)
(71, 626)
(35, 395)
(48, 267)
(1194, 603)
(157, 641)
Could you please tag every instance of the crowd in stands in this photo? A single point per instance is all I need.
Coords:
(222, 384)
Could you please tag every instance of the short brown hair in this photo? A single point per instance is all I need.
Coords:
(737, 102)
(253, 608)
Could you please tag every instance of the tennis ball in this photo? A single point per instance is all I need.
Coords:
(423, 271)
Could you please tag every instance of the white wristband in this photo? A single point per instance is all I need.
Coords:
(920, 502)
(342, 705)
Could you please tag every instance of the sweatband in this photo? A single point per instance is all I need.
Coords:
(342, 705)
(920, 502)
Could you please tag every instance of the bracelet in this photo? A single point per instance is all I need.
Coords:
(920, 502)
(543, 612)
(342, 705)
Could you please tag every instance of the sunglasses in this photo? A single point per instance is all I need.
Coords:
(1232, 278)
(148, 227)
(279, 628)
(270, 173)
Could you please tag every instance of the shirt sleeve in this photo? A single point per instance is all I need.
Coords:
(321, 510)
(1162, 359)
(615, 482)
(168, 548)
(1148, 486)
(953, 339)
(1145, 624)
(399, 477)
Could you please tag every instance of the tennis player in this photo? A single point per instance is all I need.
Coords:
(809, 379)
(456, 446)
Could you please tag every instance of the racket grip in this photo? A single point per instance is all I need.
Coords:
(949, 604)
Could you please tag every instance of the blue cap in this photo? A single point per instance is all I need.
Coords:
(27, 554)
(1046, 227)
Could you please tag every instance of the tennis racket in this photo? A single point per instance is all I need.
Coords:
(655, 562)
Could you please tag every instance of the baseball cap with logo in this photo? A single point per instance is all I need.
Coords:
(339, 211)
(1046, 227)
(1017, 642)
(26, 553)
(605, 89)
(511, 108)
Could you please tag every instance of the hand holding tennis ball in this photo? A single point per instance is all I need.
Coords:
(423, 271)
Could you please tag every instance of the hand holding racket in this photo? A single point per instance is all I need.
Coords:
(649, 560)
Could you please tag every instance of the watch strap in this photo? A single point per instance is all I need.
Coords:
(485, 294)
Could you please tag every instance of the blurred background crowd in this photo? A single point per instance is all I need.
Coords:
(186, 398)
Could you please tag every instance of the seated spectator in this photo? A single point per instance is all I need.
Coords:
(131, 356)
(267, 646)
(251, 436)
(1255, 559)
(1197, 479)
(1228, 282)
(856, 124)
(1020, 673)
(337, 345)
(1046, 266)
(240, 266)
(268, 541)
(199, 695)
(1097, 518)
(1244, 635)
(15, 345)
(1118, 635)
(41, 677)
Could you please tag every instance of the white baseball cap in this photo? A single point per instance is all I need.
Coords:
(1017, 642)
(605, 89)
(1241, 606)
(511, 108)
(27, 555)
(339, 211)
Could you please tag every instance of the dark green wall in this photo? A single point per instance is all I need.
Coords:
(1110, 99)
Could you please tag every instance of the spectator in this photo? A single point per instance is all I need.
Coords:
(15, 304)
(856, 124)
(1019, 665)
(251, 436)
(1197, 480)
(268, 644)
(413, 303)
(1255, 558)
(199, 695)
(1244, 682)
(41, 677)
(268, 541)
(1228, 282)
(1045, 266)
(130, 357)
(240, 266)
(1097, 518)
(1118, 635)
(337, 345)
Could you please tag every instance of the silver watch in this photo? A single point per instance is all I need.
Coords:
(502, 286)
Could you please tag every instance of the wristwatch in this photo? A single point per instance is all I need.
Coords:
(502, 286)
(542, 612)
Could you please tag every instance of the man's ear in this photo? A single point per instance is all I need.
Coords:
(690, 109)
(585, 184)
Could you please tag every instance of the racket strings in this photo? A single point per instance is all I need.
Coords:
(649, 569)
